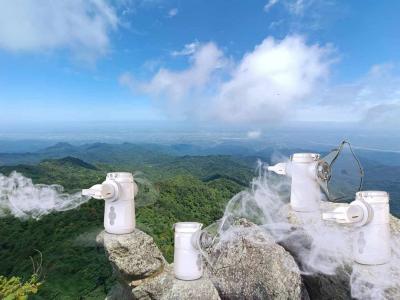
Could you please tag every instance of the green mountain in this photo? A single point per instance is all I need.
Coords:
(196, 189)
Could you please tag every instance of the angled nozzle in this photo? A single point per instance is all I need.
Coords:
(100, 191)
(278, 168)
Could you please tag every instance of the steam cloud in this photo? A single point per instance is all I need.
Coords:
(319, 247)
(23, 199)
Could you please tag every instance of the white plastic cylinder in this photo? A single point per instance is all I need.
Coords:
(305, 195)
(119, 212)
(372, 241)
(188, 263)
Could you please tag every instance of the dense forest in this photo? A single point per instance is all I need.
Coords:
(196, 189)
(174, 187)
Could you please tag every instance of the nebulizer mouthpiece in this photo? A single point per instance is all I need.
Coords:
(357, 212)
(102, 191)
(279, 168)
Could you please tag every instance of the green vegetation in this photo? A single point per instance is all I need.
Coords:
(186, 188)
(14, 289)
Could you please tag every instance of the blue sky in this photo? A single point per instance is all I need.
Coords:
(230, 62)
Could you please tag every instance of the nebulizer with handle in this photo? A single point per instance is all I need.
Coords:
(310, 175)
(369, 214)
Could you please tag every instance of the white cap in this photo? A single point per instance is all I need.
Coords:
(373, 196)
(305, 157)
(189, 227)
(124, 176)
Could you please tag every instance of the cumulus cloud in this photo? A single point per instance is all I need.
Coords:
(260, 87)
(80, 26)
(268, 80)
(178, 85)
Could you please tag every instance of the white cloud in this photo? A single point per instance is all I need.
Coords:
(278, 81)
(270, 79)
(176, 86)
(188, 49)
(262, 86)
(34, 26)
(172, 12)
(269, 5)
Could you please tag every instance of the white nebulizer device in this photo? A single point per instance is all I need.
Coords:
(118, 191)
(310, 175)
(369, 213)
(306, 171)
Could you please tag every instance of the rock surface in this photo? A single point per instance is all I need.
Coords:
(250, 265)
(134, 256)
(166, 287)
(247, 264)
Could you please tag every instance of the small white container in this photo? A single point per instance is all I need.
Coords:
(188, 263)
(372, 241)
(305, 195)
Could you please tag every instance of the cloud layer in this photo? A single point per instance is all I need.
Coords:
(80, 26)
(260, 87)
(373, 99)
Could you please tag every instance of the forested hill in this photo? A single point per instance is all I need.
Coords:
(196, 189)
(231, 160)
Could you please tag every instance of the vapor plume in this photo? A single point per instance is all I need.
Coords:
(23, 199)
